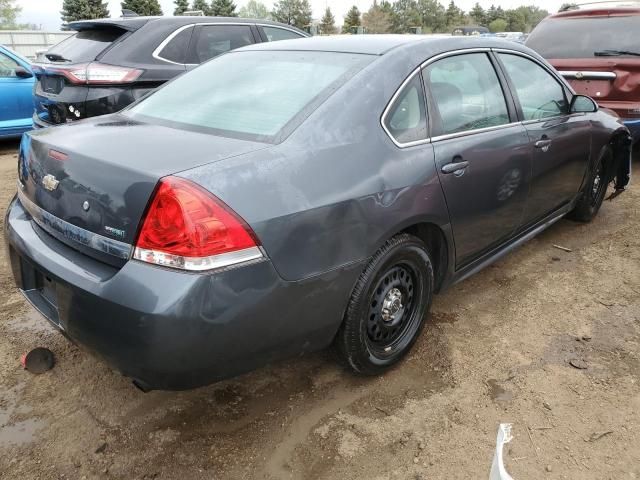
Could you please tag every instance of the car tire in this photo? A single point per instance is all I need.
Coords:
(387, 307)
(594, 191)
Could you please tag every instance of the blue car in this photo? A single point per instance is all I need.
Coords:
(16, 94)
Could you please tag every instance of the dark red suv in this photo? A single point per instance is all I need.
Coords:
(597, 49)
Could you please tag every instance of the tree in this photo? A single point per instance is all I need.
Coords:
(328, 23)
(73, 10)
(478, 15)
(8, 13)
(516, 20)
(491, 14)
(532, 16)
(432, 16)
(292, 12)
(223, 8)
(376, 20)
(352, 19)
(142, 7)
(181, 7)
(498, 25)
(454, 15)
(201, 5)
(255, 9)
(405, 16)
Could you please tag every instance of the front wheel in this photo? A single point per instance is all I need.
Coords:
(388, 305)
(594, 191)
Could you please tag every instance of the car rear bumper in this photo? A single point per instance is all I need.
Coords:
(168, 329)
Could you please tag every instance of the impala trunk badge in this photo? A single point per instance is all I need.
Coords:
(50, 182)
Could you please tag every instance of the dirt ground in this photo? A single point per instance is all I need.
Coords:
(498, 347)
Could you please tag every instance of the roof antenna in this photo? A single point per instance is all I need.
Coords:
(128, 13)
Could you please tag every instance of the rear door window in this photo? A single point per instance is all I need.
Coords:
(176, 50)
(274, 34)
(540, 94)
(467, 93)
(213, 40)
(84, 46)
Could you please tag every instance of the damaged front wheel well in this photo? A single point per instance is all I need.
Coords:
(619, 169)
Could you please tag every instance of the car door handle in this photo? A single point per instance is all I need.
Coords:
(543, 144)
(456, 167)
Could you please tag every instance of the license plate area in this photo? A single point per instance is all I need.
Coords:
(41, 291)
(51, 84)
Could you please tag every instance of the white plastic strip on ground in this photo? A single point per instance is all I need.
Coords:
(498, 472)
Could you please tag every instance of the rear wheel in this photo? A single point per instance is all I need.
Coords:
(594, 191)
(387, 307)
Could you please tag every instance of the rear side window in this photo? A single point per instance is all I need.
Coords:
(466, 93)
(85, 45)
(581, 37)
(252, 94)
(274, 34)
(176, 50)
(406, 120)
(213, 40)
(539, 93)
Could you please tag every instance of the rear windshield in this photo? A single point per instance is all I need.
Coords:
(85, 45)
(581, 37)
(253, 94)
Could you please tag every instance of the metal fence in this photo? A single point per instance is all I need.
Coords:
(28, 42)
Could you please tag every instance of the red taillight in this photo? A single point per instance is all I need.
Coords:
(93, 73)
(187, 227)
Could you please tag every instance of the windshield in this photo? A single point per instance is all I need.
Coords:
(84, 46)
(580, 37)
(251, 94)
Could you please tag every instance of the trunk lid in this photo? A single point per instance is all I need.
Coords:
(97, 176)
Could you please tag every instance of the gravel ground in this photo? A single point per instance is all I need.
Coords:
(498, 348)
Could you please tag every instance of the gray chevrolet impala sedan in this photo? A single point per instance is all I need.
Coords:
(289, 196)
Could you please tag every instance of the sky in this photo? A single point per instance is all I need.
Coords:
(47, 12)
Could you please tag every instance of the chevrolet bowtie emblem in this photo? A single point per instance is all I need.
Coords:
(50, 182)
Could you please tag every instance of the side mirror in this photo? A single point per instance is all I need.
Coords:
(22, 72)
(583, 104)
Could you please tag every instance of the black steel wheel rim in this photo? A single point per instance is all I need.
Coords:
(392, 315)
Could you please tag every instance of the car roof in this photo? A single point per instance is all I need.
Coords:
(134, 23)
(383, 44)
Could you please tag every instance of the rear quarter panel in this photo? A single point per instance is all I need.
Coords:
(334, 191)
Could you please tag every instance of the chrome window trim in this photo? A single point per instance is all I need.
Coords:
(165, 42)
(465, 133)
(48, 222)
(551, 72)
(387, 109)
(409, 78)
(588, 75)
(473, 131)
(281, 28)
(453, 53)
